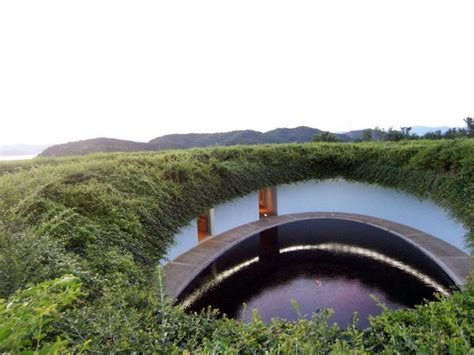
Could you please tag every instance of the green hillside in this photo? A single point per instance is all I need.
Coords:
(96, 145)
(191, 140)
(80, 239)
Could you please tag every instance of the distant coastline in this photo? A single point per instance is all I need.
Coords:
(17, 157)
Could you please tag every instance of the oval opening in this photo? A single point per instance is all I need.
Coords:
(292, 270)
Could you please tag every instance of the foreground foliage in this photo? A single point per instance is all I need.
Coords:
(107, 219)
(49, 317)
(28, 317)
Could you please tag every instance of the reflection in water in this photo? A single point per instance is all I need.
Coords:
(201, 291)
(267, 271)
(349, 249)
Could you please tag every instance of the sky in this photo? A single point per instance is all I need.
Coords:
(136, 70)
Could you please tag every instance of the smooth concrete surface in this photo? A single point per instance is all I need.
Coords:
(184, 240)
(182, 270)
(234, 213)
(339, 195)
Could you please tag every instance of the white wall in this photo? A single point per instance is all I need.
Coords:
(372, 200)
(330, 196)
(234, 213)
(184, 240)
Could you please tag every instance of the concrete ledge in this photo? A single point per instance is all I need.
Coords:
(181, 271)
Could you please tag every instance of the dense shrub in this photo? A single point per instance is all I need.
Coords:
(108, 218)
(29, 317)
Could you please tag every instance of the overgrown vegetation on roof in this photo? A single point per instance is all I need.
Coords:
(102, 221)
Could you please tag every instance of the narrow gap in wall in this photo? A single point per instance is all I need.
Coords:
(267, 202)
(204, 226)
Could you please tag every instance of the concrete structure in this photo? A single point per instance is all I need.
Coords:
(182, 270)
(372, 200)
(223, 217)
(184, 240)
(231, 214)
(335, 195)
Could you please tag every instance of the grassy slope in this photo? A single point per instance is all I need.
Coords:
(107, 218)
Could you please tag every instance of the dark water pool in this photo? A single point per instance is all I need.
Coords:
(321, 263)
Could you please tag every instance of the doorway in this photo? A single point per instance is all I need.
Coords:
(267, 204)
(204, 226)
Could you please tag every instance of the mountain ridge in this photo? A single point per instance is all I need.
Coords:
(188, 140)
(298, 134)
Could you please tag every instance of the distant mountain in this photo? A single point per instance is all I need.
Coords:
(279, 135)
(95, 145)
(353, 135)
(22, 149)
(191, 140)
(418, 130)
(422, 130)
(179, 141)
(357, 134)
(294, 135)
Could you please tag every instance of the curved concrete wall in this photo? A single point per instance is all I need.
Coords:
(372, 200)
(184, 240)
(234, 213)
(336, 195)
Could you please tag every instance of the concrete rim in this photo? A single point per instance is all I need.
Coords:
(181, 271)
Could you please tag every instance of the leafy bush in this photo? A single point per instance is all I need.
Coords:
(108, 218)
(27, 319)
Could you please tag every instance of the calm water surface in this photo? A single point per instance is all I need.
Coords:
(318, 264)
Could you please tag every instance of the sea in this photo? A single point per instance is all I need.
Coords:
(16, 157)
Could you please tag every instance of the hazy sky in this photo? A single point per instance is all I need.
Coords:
(139, 69)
